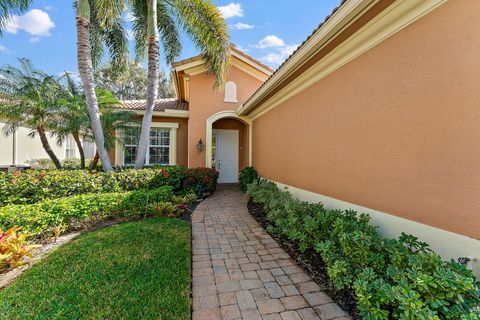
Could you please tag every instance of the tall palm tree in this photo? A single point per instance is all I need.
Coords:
(99, 24)
(29, 98)
(201, 20)
(9, 8)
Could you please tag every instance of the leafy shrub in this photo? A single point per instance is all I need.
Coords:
(14, 247)
(200, 180)
(41, 164)
(176, 207)
(247, 176)
(71, 164)
(392, 279)
(31, 186)
(50, 217)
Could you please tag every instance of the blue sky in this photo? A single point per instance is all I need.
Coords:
(268, 30)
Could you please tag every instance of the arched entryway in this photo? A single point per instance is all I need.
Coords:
(228, 145)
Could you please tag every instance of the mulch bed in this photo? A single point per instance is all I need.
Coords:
(311, 262)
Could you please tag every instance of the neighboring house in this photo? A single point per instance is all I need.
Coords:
(19, 148)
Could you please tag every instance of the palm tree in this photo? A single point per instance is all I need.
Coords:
(29, 97)
(113, 121)
(201, 20)
(9, 8)
(98, 24)
(73, 117)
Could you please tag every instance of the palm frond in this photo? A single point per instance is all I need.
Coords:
(8, 8)
(203, 22)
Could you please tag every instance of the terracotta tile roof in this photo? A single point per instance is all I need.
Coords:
(300, 46)
(160, 105)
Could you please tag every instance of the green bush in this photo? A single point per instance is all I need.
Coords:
(31, 186)
(202, 181)
(247, 176)
(392, 279)
(46, 217)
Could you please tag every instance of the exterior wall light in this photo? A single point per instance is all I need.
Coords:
(200, 145)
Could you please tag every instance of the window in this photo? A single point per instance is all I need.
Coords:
(230, 92)
(70, 148)
(158, 151)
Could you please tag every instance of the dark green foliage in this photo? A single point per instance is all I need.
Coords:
(49, 217)
(247, 176)
(137, 270)
(392, 279)
(202, 181)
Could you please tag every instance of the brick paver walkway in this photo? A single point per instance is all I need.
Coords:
(240, 272)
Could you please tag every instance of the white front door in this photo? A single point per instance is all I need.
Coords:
(226, 155)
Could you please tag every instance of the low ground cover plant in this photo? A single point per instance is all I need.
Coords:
(391, 278)
(134, 270)
(31, 186)
(51, 217)
(247, 176)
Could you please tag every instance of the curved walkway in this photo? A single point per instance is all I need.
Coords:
(240, 272)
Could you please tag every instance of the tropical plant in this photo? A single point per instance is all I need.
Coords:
(29, 97)
(247, 176)
(73, 117)
(99, 24)
(131, 84)
(9, 8)
(113, 121)
(201, 20)
(14, 247)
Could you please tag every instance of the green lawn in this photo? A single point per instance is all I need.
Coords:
(137, 270)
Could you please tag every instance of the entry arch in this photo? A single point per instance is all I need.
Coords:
(209, 128)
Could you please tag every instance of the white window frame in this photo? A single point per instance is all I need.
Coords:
(70, 146)
(171, 126)
(230, 92)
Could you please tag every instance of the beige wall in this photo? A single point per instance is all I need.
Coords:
(233, 124)
(396, 130)
(28, 148)
(205, 102)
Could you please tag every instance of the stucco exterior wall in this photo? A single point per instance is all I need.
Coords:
(205, 102)
(395, 130)
(232, 124)
(28, 148)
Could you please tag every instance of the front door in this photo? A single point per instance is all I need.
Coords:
(226, 155)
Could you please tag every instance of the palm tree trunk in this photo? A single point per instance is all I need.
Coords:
(76, 137)
(86, 74)
(46, 145)
(152, 82)
(94, 164)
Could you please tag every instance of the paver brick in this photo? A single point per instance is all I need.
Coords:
(245, 300)
(231, 312)
(329, 311)
(227, 298)
(290, 315)
(294, 302)
(270, 306)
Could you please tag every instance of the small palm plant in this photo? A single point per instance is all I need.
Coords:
(29, 98)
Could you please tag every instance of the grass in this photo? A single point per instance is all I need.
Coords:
(137, 270)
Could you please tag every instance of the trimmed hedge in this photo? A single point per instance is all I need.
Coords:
(51, 216)
(392, 279)
(31, 186)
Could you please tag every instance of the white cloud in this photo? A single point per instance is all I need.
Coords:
(276, 58)
(241, 26)
(48, 8)
(129, 16)
(231, 10)
(269, 42)
(35, 22)
(3, 48)
(34, 39)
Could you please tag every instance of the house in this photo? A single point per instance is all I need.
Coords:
(378, 110)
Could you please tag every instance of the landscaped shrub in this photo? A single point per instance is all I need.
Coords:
(202, 181)
(14, 247)
(31, 186)
(247, 176)
(392, 279)
(47, 217)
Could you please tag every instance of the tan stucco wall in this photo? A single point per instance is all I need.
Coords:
(396, 130)
(205, 102)
(232, 124)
